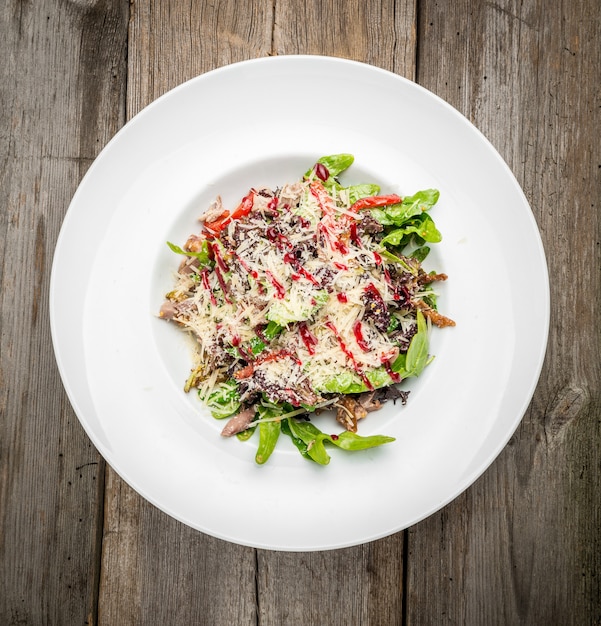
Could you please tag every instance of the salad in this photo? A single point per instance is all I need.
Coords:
(307, 298)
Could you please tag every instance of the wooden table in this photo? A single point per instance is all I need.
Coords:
(523, 544)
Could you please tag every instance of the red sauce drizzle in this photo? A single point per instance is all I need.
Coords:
(275, 356)
(379, 261)
(393, 375)
(207, 286)
(245, 265)
(358, 332)
(371, 288)
(309, 276)
(222, 285)
(245, 354)
(341, 246)
(350, 356)
(389, 281)
(355, 235)
(279, 288)
(323, 230)
(292, 260)
(309, 339)
(280, 240)
(218, 258)
(340, 266)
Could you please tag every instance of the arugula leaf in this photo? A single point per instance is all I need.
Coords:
(297, 441)
(425, 199)
(202, 256)
(419, 254)
(417, 354)
(245, 435)
(269, 432)
(351, 441)
(309, 434)
(314, 440)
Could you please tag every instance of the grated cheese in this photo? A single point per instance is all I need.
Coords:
(292, 260)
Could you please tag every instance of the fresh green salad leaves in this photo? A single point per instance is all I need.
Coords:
(408, 222)
(309, 298)
(308, 439)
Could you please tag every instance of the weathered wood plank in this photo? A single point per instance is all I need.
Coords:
(158, 571)
(360, 585)
(154, 569)
(523, 544)
(382, 32)
(171, 42)
(62, 92)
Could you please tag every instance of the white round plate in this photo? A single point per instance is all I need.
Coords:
(264, 122)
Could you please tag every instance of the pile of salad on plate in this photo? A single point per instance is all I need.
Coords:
(306, 298)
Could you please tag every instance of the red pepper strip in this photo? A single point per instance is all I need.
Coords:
(244, 208)
(219, 224)
(375, 201)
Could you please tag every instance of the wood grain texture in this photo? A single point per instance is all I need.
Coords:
(60, 104)
(523, 544)
(381, 32)
(171, 42)
(360, 585)
(155, 570)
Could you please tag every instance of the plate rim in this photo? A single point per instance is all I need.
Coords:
(63, 233)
